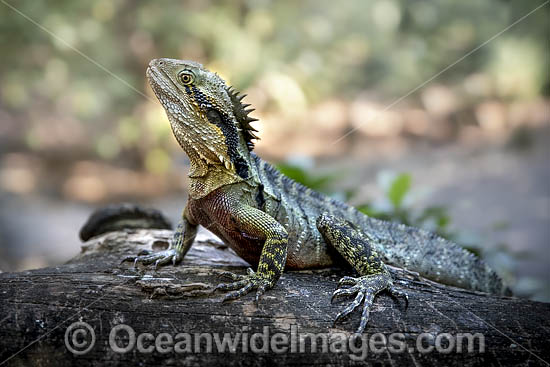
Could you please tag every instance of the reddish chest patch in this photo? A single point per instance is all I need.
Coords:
(214, 212)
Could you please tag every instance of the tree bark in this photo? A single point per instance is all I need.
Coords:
(38, 306)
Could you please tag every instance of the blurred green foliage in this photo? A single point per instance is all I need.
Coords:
(398, 189)
(298, 52)
(299, 174)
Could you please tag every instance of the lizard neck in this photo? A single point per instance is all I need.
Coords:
(216, 176)
(205, 178)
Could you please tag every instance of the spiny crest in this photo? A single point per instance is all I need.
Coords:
(241, 114)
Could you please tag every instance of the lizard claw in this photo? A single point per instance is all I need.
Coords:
(147, 257)
(133, 258)
(365, 288)
(396, 293)
(232, 276)
(261, 290)
(347, 281)
(343, 292)
(243, 285)
(350, 308)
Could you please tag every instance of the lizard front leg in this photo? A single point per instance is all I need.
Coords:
(183, 238)
(357, 248)
(255, 223)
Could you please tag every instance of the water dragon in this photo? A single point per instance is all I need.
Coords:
(275, 223)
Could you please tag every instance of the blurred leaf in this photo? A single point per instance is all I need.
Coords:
(349, 193)
(373, 213)
(399, 188)
(437, 213)
(298, 174)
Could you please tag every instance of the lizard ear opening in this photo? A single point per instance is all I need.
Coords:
(241, 114)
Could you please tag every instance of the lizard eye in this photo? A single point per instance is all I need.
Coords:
(186, 77)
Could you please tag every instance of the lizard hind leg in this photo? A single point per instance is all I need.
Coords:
(358, 250)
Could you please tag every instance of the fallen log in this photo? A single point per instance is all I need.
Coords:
(93, 311)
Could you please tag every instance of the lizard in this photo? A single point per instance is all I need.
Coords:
(275, 223)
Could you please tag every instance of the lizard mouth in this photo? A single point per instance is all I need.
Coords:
(156, 78)
(150, 73)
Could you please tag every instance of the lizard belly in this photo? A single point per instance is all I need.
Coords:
(212, 213)
(247, 247)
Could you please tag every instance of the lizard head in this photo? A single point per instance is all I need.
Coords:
(207, 117)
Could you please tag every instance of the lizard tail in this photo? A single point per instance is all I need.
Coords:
(434, 257)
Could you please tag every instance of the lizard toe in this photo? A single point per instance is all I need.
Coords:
(244, 285)
(344, 292)
(352, 306)
(366, 287)
(396, 293)
(147, 257)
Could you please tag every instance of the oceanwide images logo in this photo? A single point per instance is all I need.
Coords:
(80, 339)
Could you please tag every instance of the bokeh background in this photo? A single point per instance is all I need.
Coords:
(378, 102)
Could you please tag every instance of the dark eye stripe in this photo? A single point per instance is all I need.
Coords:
(228, 129)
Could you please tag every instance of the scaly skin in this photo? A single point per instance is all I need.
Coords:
(275, 223)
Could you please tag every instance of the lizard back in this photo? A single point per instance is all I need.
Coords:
(412, 248)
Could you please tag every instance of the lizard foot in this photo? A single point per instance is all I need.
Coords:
(365, 288)
(244, 284)
(147, 257)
